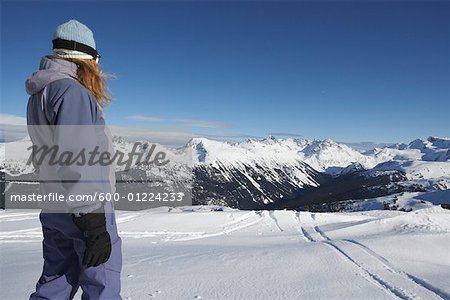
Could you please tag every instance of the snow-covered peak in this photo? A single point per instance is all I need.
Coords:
(433, 148)
(420, 144)
(438, 142)
(353, 167)
(430, 143)
(248, 152)
(322, 155)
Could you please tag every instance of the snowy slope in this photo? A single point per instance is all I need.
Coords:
(14, 157)
(198, 253)
(429, 174)
(404, 201)
(249, 173)
(268, 154)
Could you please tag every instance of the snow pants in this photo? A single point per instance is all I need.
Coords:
(63, 272)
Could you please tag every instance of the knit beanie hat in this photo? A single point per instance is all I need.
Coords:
(74, 40)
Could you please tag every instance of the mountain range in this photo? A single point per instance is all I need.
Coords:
(276, 173)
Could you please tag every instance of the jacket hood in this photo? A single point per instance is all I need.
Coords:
(50, 69)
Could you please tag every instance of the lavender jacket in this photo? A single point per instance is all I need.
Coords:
(62, 112)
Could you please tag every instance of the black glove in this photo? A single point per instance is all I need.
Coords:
(98, 241)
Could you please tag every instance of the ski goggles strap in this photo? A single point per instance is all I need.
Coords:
(72, 45)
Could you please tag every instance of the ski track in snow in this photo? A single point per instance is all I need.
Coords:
(373, 267)
(246, 221)
(275, 220)
(12, 217)
(302, 230)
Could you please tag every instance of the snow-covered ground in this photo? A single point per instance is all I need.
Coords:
(200, 253)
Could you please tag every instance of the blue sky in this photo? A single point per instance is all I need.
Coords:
(349, 71)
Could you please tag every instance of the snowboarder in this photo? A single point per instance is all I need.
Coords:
(81, 246)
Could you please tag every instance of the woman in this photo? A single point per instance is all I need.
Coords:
(81, 247)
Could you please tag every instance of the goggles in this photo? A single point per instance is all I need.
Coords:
(72, 45)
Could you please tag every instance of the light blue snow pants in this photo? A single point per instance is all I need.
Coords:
(63, 272)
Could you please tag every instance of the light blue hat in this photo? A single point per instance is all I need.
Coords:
(75, 31)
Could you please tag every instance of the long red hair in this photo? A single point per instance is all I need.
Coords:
(91, 76)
